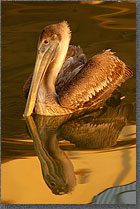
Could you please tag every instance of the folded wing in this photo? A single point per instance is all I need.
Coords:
(75, 60)
(95, 82)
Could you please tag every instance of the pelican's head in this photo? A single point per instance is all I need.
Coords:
(54, 33)
(51, 41)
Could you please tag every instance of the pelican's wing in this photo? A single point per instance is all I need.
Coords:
(95, 82)
(75, 60)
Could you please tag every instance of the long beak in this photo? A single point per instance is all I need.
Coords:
(43, 60)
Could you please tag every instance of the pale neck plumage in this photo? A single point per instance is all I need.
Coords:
(56, 65)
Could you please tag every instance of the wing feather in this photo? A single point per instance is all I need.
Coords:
(74, 61)
(95, 82)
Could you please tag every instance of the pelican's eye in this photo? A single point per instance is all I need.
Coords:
(46, 41)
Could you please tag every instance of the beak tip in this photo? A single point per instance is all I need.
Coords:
(25, 114)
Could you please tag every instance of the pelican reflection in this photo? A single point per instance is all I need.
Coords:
(92, 131)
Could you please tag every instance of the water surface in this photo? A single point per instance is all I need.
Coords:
(98, 149)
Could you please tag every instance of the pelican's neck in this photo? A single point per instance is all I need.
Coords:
(55, 66)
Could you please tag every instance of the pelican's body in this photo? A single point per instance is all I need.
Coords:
(63, 82)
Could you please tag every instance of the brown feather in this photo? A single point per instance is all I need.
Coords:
(95, 82)
(75, 60)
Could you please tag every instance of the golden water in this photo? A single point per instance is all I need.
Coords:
(94, 27)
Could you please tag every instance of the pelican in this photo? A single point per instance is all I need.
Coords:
(63, 82)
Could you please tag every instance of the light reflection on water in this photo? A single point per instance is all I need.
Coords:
(98, 152)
